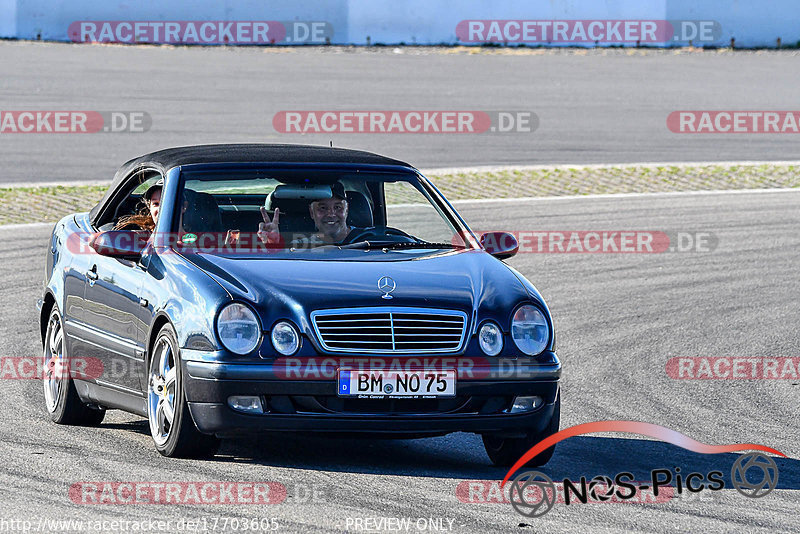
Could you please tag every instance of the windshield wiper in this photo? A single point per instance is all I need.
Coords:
(393, 245)
(367, 245)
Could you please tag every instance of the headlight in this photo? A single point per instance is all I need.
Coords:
(238, 328)
(285, 338)
(529, 330)
(490, 338)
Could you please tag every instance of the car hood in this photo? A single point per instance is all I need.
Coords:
(470, 281)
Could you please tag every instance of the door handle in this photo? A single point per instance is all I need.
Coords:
(143, 303)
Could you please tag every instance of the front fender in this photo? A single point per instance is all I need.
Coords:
(64, 272)
(183, 295)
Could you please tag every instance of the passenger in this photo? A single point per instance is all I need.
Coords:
(148, 216)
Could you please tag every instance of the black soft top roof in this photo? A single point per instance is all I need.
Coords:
(164, 160)
(255, 153)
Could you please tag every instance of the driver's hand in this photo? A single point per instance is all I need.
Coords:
(268, 231)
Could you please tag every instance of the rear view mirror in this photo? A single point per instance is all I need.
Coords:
(303, 191)
(124, 244)
(501, 245)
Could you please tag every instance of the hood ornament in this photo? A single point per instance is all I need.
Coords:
(387, 285)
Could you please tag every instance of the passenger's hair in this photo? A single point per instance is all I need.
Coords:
(142, 220)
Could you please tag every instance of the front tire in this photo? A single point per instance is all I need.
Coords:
(171, 426)
(60, 396)
(506, 451)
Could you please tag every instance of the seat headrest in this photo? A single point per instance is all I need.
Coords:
(359, 212)
(202, 213)
(294, 214)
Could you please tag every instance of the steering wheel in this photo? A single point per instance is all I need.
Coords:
(380, 233)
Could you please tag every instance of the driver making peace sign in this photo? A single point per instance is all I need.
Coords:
(330, 218)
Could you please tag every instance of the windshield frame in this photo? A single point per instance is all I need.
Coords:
(434, 196)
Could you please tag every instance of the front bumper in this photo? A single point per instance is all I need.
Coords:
(483, 397)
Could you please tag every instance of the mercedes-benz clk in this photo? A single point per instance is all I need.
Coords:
(226, 290)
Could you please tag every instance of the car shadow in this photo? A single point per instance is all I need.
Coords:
(139, 427)
(461, 456)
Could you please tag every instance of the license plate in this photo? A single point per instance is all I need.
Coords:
(373, 384)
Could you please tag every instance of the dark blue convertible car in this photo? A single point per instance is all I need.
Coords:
(224, 290)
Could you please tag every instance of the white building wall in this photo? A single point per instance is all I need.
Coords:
(407, 21)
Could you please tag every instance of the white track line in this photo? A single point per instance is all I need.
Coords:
(603, 196)
(28, 226)
(626, 195)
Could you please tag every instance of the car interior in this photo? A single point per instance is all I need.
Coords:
(209, 212)
(209, 208)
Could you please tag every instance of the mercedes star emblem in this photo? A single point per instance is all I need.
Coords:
(387, 285)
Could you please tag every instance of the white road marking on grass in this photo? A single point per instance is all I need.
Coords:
(525, 199)
(561, 166)
(76, 183)
(22, 226)
(609, 195)
(483, 168)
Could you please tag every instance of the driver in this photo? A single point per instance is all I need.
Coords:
(330, 218)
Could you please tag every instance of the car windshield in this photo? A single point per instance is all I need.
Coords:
(292, 210)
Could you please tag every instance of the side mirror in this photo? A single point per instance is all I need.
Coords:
(501, 245)
(123, 244)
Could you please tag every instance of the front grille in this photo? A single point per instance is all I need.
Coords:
(390, 330)
(382, 406)
(331, 404)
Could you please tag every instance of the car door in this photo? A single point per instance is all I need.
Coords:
(71, 242)
(113, 319)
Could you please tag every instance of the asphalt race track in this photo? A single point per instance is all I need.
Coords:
(619, 318)
(593, 107)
